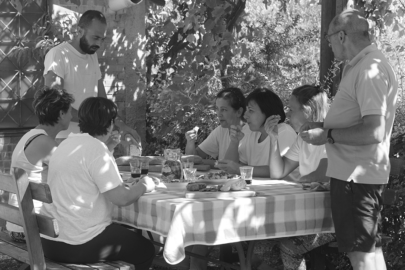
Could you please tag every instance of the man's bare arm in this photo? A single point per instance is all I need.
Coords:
(101, 89)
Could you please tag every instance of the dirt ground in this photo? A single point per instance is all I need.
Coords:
(267, 257)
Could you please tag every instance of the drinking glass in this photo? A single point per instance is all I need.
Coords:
(144, 167)
(188, 163)
(246, 172)
(135, 168)
(189, 174)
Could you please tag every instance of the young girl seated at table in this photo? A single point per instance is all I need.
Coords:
(230, 107)
(307, 103)
(250, 144)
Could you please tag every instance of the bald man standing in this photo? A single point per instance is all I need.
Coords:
(357, 132)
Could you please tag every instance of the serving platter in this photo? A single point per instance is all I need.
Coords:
(213, 181)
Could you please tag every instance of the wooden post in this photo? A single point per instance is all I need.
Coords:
(330, 8)
(328, 11)
(134, 62)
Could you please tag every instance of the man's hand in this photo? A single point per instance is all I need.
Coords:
(316, 136)
(235, 132)
(311, 125)
(229, 166)
(271, 125)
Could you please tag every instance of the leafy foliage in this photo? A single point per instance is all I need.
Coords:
(275, 44)
(185, 73)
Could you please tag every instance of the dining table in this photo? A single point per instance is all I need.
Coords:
(279, 208)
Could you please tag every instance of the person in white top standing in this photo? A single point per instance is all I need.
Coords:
(85, 183)
(33, 151)
(356, 133)
(74, 66)
(230, 108)
(250, 144)
(307, 103)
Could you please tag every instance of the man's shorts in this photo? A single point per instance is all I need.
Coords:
(356, 213)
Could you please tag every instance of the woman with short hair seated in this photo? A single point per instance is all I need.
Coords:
(32, 152)
(85, 183)
(250, 144)
(229, 106)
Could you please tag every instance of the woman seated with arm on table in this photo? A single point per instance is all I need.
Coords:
(230, 107)
(85, 183)
(250, 144)
(307, 103)
(32, 152)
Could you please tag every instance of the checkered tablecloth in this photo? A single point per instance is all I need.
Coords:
(280, 209)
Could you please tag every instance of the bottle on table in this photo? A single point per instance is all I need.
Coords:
(172, 167)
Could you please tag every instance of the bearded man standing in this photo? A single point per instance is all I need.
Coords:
(74, 67)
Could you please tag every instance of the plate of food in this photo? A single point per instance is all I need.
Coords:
(216, 178)
(233, 188)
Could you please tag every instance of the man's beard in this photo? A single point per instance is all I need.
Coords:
(85, 47)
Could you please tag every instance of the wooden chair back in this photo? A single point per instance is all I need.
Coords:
(25, 215)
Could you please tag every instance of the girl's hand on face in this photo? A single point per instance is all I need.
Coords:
(235, 131)
(271, 125)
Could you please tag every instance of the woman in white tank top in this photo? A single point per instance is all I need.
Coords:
(32, 153)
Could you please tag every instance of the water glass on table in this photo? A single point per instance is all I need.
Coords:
(246, 172)
(189, 174)
(135, 168)
(188, 163)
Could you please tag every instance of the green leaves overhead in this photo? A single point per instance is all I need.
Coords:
(187, 42)
(200, 46)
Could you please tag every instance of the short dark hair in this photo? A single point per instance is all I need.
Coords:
(90, 15)
(48, 103)
(96, 115)
(313, 100)
(268, 102)
(235, 97)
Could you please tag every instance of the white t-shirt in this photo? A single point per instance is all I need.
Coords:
(253, 153)
(307, 155)
(80, 171)
(217, 143)
(80, 73)
(36, 173)
(368, 87)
